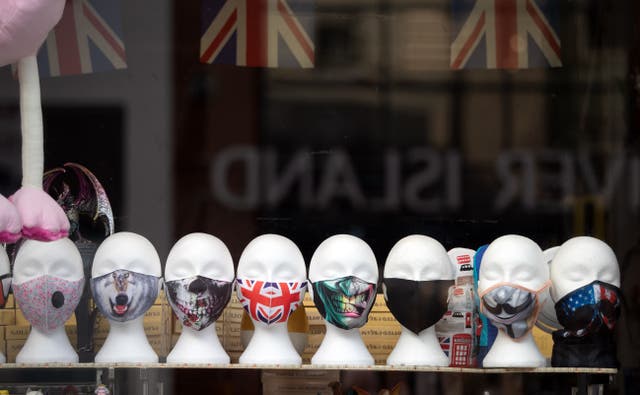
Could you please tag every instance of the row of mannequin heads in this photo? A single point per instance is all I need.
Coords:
(126, 275)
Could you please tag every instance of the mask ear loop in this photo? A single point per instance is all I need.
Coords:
(536, 311)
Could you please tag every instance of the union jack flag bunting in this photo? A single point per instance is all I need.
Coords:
(270, 302)
(505, 34)
(258, 33)
(87, 39)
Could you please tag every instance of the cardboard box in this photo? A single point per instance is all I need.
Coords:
(317, 330)
(21, 320)
(11, 302)
(383, 319)
(231, 315)
(101, 331)
(313, 316)
(158, 345)
(232, 344)
(231, 329)
(381, 347)
(544, 341)
(380, 304)
(7, 317)
(153, 328)
(374, 333)
(160, 299)
(17, 332)
(13, 347)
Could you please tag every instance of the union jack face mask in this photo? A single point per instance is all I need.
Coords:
(270, 302)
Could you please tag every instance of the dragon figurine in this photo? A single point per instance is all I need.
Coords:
(79, 193)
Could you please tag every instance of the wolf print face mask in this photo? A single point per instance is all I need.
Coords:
(512, 308)
(344, 302)
(47, 301)
(198, 301)
(124, 295)
(270, 302)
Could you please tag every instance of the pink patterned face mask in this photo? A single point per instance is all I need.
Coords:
(47, 301)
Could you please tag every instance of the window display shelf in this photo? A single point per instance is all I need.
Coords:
(381, 368)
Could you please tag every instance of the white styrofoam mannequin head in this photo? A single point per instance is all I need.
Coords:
(580, 261)
(513, 259)
(343, 255)
(126, 341)
(418, 258)
(58, 258)
(271, 258)
(126, 251)
(336, 257)
(199, 254)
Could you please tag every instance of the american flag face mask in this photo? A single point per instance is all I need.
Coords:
(270, 302)
(588, 308)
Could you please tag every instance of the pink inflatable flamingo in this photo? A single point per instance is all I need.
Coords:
(30, 212)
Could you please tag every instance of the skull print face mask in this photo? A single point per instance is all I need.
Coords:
(48, 302)
(124, 295)
(344, 302)
(270, 302)
(198, 301)
(512, 308)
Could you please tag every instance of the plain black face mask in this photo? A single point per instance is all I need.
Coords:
(417, 305)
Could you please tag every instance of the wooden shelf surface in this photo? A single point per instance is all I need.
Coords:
(381, 368)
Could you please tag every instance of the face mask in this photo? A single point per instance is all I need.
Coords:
(512, 308)
(198, 301)
(123, 295)
(586, 309)
(344, 302)
(417, 305)
(47, 302)
(269, 302)
(5, 285)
